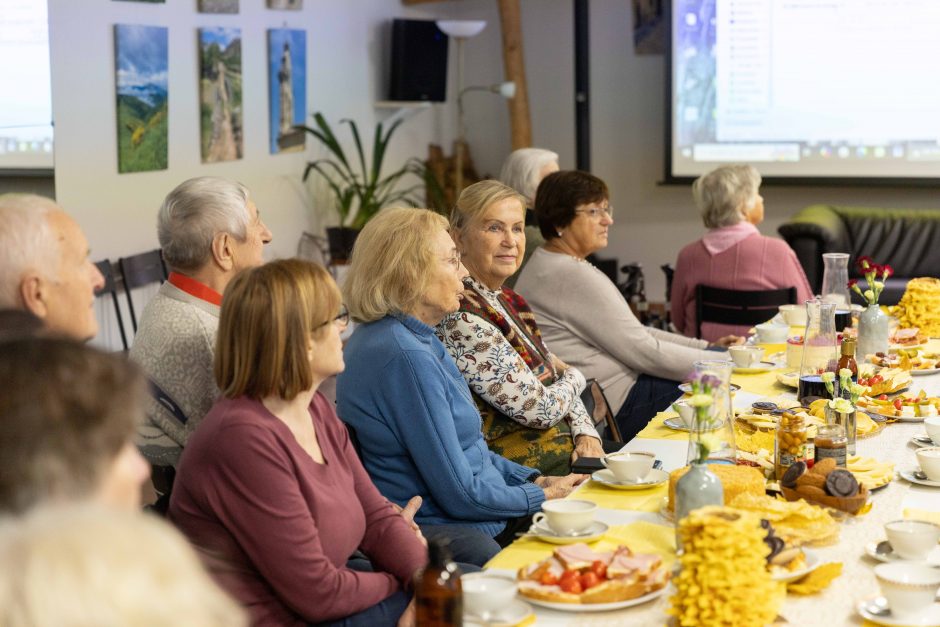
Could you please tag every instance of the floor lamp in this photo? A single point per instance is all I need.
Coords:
(460, 30)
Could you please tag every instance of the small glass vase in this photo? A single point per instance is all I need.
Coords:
(835, 286)
(697, 488)
(847, 420)
(719, 427)
(872, 332)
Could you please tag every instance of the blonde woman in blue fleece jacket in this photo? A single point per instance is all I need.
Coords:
(411, 409)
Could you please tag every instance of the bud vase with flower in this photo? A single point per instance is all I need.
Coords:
(841, 408)
(872, 323)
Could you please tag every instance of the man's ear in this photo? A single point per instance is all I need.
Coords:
(222, 252)
(33, 291)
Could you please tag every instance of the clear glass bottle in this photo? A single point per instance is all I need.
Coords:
(820, 349)
(438, 596)
(831, 442)
(790, 443)
(835, 285)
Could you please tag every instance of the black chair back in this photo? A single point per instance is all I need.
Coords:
(110, 288)
(715, 304)
(139, 270)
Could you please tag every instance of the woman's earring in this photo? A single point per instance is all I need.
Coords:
(560, 233)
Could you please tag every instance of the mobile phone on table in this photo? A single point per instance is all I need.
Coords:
(588, 465)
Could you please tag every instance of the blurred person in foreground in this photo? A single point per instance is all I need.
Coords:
(45, 267)
(82, 565)
(270, 487)
(412, 411)
(732, 255)
(70, 413)
(529, 399)
(583, 315)
(209, 229)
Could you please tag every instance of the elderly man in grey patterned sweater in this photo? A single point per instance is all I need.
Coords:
(209, 229)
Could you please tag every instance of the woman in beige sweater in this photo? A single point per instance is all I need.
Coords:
(584, 317)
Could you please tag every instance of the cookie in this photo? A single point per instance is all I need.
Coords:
(813, 479)
(841, 483)
(824, 466)
(794, 472)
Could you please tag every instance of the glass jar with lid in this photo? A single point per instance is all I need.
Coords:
(790, 443)
(831, 441)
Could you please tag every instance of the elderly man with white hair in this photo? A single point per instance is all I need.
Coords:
(44, 266)
(209, 229)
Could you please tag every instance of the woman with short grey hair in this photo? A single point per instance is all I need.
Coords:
(733, 254)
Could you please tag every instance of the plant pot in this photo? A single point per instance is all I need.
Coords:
(341, 240)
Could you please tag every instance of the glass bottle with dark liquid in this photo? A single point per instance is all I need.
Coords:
(438, 596)
(820, 350)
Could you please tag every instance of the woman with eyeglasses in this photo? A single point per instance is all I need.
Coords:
(583, 315)
(269, 487)
(417, 425)
(529, 399)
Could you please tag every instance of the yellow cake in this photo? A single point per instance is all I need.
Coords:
(920, 306)
(735, 480)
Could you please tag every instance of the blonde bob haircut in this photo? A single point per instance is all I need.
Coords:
(477, 198)
(388, 272)
(269, 313)
(87, 565)
(723, 194)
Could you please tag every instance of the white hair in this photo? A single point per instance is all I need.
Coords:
(724, 193)
(522, 168)
(27, 242)
(194, 213)
(87, 565)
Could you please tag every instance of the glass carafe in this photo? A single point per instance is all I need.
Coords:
(835, 285)
(719, 430)
(820, 349)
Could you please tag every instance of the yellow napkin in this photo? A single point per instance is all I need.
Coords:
(816, 581)
(648, 500)
(922, 514)
(641, 537)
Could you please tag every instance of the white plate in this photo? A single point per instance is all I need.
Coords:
(593, 533)
(928, 618)
(921, 441)
(871, 550)
(908, 473)
(925, 372)
(596, 607)
(870, 411)
(764, 366)
(675, 423)
(654, 478)
(812, 563)
(512, 614)
(789, 379)
(687, 387)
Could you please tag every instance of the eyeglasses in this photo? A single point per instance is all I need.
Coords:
(596, 212)
(341, 319)
(454, 261)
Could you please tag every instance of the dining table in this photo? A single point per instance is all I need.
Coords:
(637, 518)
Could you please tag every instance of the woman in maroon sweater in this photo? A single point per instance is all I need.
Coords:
(269, 486)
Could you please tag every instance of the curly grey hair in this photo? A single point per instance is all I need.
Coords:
(723, 194)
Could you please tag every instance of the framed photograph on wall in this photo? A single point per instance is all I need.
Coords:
(290, 5)
(141, 61)
(218, 6)
(287, 88)
(220, 94)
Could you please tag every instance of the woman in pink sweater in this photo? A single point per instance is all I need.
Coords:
(269, 487)
(733, 254)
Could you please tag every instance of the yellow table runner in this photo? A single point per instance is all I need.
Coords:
(641, 537)
(649, 500)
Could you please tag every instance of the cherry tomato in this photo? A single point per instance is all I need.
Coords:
(883, 397)
(589, 580)
(571, 585)
(599, 568)
(863, 381)
(875, 379)
(549, 579)
(569, 575)
(898, 404)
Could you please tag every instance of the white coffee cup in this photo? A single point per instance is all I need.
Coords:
(909, 587)
(794, 315)
(912, 539)
(629, 465)
(929, 460)
(485, 594)
(686, 412)
(932, 426)
(770, 333)
(566, 516)
(746, 356)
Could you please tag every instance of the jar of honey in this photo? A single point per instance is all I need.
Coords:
(831, 441)
(790, 443)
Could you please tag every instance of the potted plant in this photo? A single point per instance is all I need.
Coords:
(359, 188)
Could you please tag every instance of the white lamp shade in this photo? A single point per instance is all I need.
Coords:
(507, 90)
(462, 28)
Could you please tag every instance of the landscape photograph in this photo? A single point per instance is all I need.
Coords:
(141, 85)
(287, 88)
(220, 94)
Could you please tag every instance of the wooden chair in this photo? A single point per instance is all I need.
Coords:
(595, 401)
(715, 304)
(139, 270)
(110, 288)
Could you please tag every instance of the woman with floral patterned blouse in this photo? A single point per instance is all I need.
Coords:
(528, 398)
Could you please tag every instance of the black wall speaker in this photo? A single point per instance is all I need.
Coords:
(419, 61)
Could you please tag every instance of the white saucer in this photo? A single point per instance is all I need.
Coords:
(921, 441)
(593, 533)
(654, 478)
(764, 366)
(687, 387)
(812, 563)
(675, 423)
(871, 550)
(512, 614)
(908, 473)
(928, 618)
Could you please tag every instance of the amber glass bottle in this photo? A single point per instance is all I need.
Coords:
(847, 358)
(438, 600)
